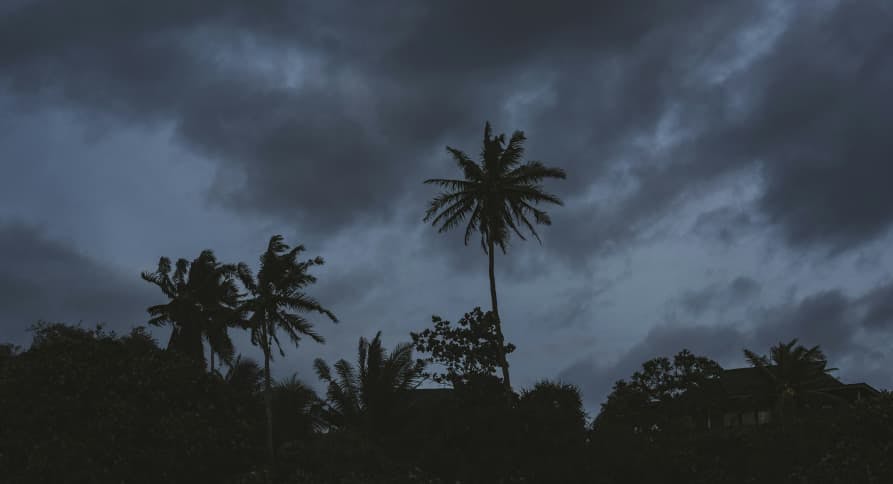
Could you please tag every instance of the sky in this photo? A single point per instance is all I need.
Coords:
(728, 169)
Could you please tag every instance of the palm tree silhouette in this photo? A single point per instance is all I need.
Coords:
(496, 196)
(275, 299)
(245, 374)
(371, 392)
(203, 305)
(299, 411)
(794, 371)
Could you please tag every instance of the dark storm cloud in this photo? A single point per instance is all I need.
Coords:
(44, 279)
(328, 115)
(726, 224)
(823, 120)
(813, 114)
(196, 64)
(720, 296)
(378, 90)
(878, 306)
(816, 116)
(823, 318)
(830, 319)
(384, 92)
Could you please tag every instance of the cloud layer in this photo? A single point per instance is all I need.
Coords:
(691, 133)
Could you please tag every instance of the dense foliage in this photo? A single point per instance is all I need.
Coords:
(68, 415)
(465, 351)
(89, 406)
(660, 393)
(834, 447)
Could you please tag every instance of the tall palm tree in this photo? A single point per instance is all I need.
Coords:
(794, 370)
(203, 304)
(371, 392)
(275, 298)
(496, 195)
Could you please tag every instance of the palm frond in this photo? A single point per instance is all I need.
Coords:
(530, 193)
(450, 183)
(470, 169)
(322, 370)
(477, 201)
(533, 172)
(454, 215)
(513, 152)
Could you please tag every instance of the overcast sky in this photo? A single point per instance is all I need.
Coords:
(729, 168)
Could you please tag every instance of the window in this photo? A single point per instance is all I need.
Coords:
(764, 417)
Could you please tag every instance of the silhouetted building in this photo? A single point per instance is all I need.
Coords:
(747, 396)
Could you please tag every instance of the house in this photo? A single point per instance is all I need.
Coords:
(746, 396)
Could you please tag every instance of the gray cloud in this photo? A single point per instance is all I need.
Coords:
(720, 297)
(828, 318)
(321, 119)
(371, 106)
(48, 280)
(878, 304)
(815, 118)
(726, 224)
(351, 138)
(376, 103)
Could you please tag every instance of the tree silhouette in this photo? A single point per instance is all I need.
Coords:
(496, 196)
(203, 303)
(299, 411)
(664, 388)
(86, 405)
(794, 371)
(374, 390)
(467, 351)
(246, 374)
(275, 299)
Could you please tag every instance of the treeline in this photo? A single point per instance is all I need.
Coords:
(86, 405)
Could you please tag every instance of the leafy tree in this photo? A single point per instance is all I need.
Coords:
(848, 444)
(8, 351)
(466, 351)
(794, 370)
(496, 196)
(661, 390)
(371, 394)
(203, 304)
(85, 405)
(553, 432)
(275, 299)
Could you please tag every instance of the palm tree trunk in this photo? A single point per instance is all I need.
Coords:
(268, 405)
(500, 339)
(211, 352)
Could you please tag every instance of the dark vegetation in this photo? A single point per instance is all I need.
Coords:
(85, 405)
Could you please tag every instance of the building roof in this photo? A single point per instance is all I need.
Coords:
(754, 382)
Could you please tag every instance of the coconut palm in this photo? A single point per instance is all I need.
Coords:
(495, 197)
(794, 370)
(373, 391)
(275, 299)
(203, 305)
(245, 373)
(299, 411)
